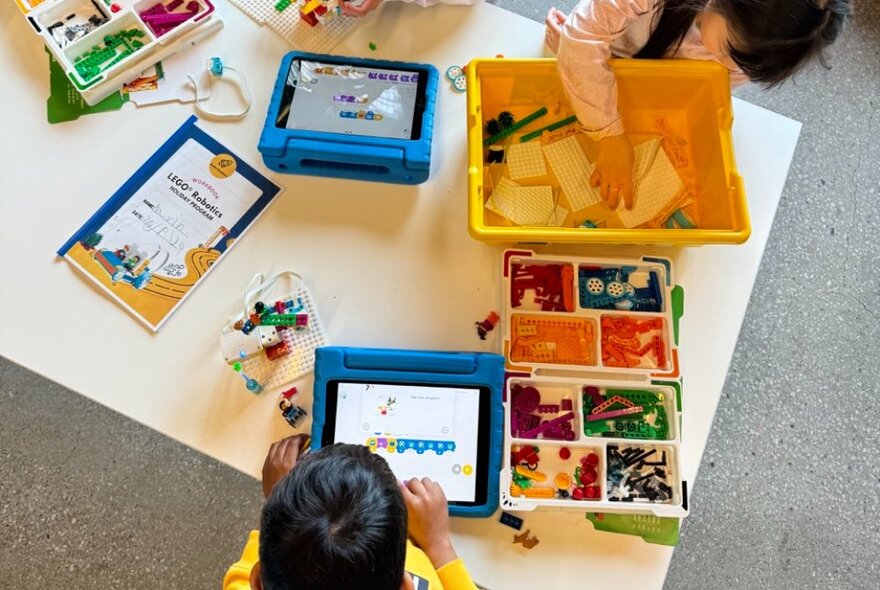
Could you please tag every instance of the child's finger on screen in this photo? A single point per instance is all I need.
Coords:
(407, 494)
(415, 486)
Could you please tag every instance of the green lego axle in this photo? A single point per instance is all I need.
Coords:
(515, 127)
(551, 127)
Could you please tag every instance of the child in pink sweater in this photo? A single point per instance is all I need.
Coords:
(759, 40)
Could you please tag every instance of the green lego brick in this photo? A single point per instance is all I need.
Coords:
(633, 426)
(91, 63)
(515, 127)
(276, 319)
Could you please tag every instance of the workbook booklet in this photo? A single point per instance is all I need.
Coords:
(158, 236)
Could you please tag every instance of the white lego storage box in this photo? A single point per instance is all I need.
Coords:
(103, 44)
(593, 395)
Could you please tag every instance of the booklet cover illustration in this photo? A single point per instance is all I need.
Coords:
(162, 231)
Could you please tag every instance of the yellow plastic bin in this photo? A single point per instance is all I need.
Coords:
(691, 97)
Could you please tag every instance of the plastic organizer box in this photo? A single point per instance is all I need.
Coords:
(104, 44)
(593, 394)
(686, 105)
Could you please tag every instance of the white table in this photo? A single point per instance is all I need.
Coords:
(388, 265)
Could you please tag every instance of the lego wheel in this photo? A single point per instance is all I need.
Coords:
(453, 72)
(615, 289)
(595, 286)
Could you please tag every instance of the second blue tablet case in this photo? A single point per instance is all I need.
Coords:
(356, 157)
(414, 366)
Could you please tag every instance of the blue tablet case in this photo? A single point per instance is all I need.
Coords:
(357, 157)
(335, 363)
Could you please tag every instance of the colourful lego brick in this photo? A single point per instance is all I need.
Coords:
(615, 414)
(548, 408)
(310, 6)
(280, 350)
(510, 520)
(529, 474)
(539, 492)
(534, 432)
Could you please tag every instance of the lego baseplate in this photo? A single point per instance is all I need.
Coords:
(302, 344)
(321, 38)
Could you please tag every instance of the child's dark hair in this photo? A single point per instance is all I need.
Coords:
(338, 520)
(769, 39)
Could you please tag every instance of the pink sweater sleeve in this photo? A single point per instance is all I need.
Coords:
(584, 51)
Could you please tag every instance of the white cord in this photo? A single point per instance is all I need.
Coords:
(242, 88)
(258, 287)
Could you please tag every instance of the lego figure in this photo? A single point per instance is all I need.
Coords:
(291, 412)
(487, 325)
(131, 262)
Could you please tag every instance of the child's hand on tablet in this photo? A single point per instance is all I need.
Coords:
(359, 8)
(428, 520)
(282, 457)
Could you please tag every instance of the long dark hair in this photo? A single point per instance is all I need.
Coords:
(769, 39)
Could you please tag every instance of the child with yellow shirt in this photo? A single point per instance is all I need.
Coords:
(338, 519)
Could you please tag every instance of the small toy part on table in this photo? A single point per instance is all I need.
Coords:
(457, 79)
(487, 325)
(293, 414)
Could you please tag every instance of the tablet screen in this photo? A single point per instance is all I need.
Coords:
(421, 430)
(354, 100)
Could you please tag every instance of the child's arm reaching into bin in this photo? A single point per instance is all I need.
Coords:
(764, 41)
(428, 527)
(584, 49)
(362, 8)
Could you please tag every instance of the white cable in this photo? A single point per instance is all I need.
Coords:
(242, 89)
(258, 287)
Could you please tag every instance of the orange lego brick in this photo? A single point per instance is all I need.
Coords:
(539, 492)
(553, 339)
(630, 343)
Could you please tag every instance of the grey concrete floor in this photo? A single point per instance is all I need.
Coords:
(789, 487)
(91, 499)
